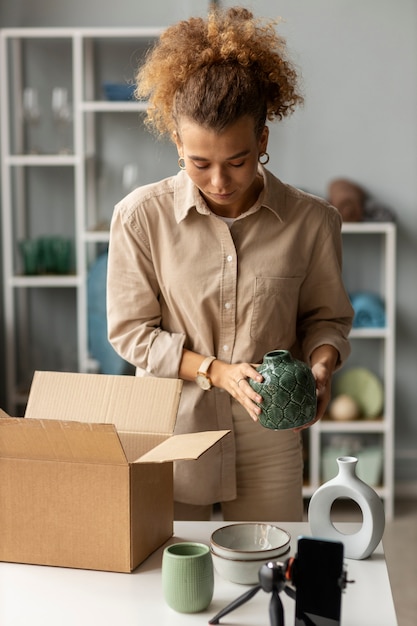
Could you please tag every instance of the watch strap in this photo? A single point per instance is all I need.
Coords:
(205, 365)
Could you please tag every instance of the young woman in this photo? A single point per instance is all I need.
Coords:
(212, 268)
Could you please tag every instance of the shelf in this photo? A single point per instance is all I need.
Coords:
(54, 160)
(354, 426)
(80, 60)
(370, 333)
(309, 490)
(55, 280)
(369, 264)
(97, 236)
(83, 32)
(104, 106)
(370, 228)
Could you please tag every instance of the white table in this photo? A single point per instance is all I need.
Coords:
(47, 596)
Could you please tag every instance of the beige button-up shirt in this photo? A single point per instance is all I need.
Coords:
(180, 277)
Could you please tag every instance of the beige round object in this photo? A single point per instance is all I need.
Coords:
(243, 572)
(344, 408)
(247, 541)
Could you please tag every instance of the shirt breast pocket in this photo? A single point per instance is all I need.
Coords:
(274, 313)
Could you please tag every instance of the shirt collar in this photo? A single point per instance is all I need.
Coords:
(187, 196)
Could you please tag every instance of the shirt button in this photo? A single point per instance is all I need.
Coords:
(227, 305)
(225, 348)
(229, 258)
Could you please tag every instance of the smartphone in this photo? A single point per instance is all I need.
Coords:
(318, 579)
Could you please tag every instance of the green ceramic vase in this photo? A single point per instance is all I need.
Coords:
(288, 390)
(187, 576)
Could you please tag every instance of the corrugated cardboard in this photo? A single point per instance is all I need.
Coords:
(86, 477)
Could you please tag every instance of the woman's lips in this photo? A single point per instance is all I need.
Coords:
(221, 196)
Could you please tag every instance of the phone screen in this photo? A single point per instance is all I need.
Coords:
(317, 579)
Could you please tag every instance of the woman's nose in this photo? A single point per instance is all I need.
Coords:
(219, 177)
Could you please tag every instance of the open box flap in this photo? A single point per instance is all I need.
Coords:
(189, 446)
(133, 404)
(57, 440)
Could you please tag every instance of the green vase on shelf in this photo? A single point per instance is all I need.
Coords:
(288, 390)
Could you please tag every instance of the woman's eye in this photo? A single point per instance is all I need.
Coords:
(205, 166)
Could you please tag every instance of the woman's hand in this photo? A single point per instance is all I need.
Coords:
(323, 363)
(234, 379)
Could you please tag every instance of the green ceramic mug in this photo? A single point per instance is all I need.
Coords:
(29, 249)
(187, 577)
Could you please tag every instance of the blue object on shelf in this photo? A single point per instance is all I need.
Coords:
(369, 310)
(119, 91)
(98, 344)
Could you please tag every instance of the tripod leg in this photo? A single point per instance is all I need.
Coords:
(276, 610)
(235, 604)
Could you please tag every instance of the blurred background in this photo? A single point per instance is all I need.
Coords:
(358, 63)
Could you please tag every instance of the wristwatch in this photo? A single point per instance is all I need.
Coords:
(202, 378)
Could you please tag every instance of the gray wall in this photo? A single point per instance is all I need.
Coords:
(359, 65)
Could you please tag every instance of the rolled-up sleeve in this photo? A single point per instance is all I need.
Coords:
(133, 300)
(325, 311)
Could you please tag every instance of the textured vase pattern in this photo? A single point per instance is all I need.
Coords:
(288, 390)
(348, 485)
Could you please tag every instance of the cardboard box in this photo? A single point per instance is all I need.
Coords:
(86, 477)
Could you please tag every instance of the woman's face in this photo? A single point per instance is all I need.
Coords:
(223, 165)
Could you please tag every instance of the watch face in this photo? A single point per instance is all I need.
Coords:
(203, 382)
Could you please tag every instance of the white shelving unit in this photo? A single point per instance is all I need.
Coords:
(363, 242)
(79, 60)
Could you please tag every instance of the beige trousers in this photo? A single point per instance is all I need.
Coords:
(269, 470)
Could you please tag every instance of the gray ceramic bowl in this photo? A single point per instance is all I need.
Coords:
(243, 572)
(249, 541)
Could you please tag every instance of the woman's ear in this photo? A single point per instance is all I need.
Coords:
(263, 141)
(176, 140)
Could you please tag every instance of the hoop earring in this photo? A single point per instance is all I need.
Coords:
(181, 163)
(266, 158)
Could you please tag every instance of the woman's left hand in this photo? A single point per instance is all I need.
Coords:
(323, 363)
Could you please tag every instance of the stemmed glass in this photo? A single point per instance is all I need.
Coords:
(62, 113)
(130, 177)
(31, 115)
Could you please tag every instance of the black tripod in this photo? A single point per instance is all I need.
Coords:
(272, 579)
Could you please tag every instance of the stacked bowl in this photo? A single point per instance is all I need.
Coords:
(240, 550)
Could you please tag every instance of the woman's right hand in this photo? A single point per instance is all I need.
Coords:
(234, 379)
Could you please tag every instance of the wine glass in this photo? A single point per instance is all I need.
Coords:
(130, 177)
(31, 116)
(62, 113)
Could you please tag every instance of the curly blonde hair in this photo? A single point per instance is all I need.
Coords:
(215, 70)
